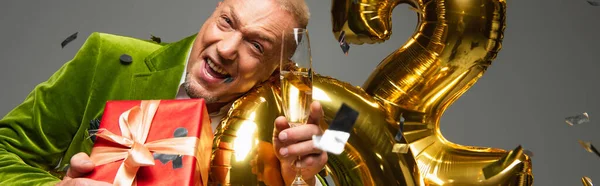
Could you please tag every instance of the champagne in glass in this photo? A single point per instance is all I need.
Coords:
(296, 88)
(296, 82)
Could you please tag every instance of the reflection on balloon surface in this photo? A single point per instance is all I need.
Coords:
(454, 43)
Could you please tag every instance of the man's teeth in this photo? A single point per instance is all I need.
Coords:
(216, 68)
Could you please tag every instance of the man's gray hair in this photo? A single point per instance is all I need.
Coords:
(298, 9)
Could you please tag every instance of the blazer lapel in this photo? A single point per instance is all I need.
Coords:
(165, 67)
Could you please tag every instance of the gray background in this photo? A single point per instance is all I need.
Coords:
(547, 69)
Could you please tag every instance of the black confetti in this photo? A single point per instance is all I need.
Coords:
(178, 162)
(93, 129)
(180, 132)
(400, 129)
(155, 39)
(344, 119)
(68, 40)
(165, 158)
(94, 124)
(343, 44)
(594, 3)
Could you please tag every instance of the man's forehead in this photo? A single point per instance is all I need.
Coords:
(260, 16)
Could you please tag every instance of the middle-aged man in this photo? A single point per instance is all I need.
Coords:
(236, 48)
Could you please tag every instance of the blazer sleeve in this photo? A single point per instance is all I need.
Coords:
(35, 135)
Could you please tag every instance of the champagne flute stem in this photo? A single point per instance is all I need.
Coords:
(298, 167)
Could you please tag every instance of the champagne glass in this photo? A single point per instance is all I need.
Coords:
(296, 83)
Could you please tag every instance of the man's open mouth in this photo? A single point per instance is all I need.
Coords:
(214, 70)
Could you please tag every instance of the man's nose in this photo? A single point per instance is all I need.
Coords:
(228, 46)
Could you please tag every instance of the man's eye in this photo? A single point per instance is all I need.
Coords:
(227, 20)
(258, 47)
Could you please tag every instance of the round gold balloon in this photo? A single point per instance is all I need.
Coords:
(454, 44)
(244, 155)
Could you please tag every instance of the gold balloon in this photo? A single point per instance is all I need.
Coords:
(243, 153)
(455, 42)
(367, 158)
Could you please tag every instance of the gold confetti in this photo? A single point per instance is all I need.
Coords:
(586, 181)
(589, 147)
(400, 148)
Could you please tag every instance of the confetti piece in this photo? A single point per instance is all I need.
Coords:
(343, 44)
(68, 40)
(400, 148)
(503, 163)
(176, 159)
(155, 39)
(335, 137)
(586, 181)
(589, 147)
(400, 129)
(402, 123)
(594, 3)
(344, 119)
(578, 119)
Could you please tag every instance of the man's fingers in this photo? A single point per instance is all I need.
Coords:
(81, 164)
(299, 133)
(299, 149)
(280, 125)
(82, 181)
(316, 113)
(315, 159)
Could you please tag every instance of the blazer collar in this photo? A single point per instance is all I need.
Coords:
(165, 65)
(170, 55)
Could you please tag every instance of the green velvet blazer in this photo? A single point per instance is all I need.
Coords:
(41, 134)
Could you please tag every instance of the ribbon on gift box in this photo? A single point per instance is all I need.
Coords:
(135, 124)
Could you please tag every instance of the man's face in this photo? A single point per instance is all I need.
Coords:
(236, 48)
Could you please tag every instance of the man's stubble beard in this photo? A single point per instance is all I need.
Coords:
(192, 91)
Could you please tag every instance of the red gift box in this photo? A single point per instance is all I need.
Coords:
(181, 160)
